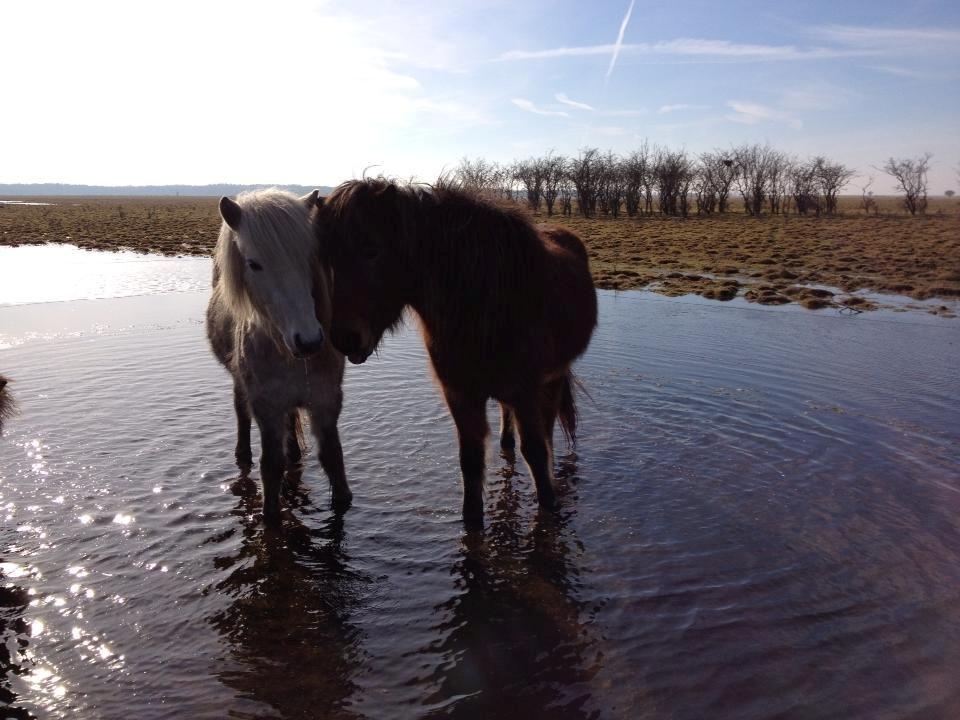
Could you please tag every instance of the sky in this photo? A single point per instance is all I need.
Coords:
(316, 92)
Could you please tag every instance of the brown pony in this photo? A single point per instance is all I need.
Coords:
(505, 308)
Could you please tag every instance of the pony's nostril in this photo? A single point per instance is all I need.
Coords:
(310, 347)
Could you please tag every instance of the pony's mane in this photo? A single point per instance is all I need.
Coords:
(467, 248)
(418, 214)
(458, 201)
(278, 224)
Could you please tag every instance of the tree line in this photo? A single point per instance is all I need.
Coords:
(657, 180)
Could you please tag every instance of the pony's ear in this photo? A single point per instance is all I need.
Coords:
(230, 212)
(312, 198)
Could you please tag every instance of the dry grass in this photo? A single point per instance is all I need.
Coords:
(768, 260)
(169, 225)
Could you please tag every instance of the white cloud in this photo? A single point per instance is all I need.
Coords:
(701, 49)
(912, 39)
(816, 96)
(562, 97)
(898, 71)
(753, 113)
(680, 106)
(626, 113)
(524, 104)
(557, 52)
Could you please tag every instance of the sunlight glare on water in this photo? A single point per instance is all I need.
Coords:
(761, 519)
(48, 273)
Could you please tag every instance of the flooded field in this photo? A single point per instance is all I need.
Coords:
(761, 520)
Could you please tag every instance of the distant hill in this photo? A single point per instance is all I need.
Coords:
(46, 189)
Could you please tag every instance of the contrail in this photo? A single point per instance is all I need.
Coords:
(616, 46)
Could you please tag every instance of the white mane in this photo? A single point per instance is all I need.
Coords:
(277, 225)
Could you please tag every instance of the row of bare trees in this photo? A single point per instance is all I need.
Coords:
(654, 179)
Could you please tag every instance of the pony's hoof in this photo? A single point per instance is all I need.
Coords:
(341, 500)
(548, 502)
(473, 521)
(244, 459)
(473, 514)
(271, 514)
(294, 459)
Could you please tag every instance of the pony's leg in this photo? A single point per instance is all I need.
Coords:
(241, 406)
(536, 449)
(507, 441)
(331, 457)
(470, 415)
(273, 428)
(294, 451)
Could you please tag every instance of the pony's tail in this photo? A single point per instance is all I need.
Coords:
(567, 409)
(298, 430)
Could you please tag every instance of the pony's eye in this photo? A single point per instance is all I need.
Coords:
(254, 265)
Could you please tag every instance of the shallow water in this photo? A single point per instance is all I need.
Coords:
(761, 521)
(52, 272)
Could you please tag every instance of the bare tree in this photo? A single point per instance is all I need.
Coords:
(632, 182)
(637, 170)
(584, 173)
(910, 175)
(778, 181)
(567, 190)
(474, 174)
(673, 174)
(805, 187)
(867, 202)
(832, 178)
(530, 174)
(753, 175)
(554, 172)
(704, 190)
(718, 170)
(613, 183)
(501, 181)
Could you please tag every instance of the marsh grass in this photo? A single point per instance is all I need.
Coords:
(770, 259)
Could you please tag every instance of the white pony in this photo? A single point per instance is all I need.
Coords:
(267, 322)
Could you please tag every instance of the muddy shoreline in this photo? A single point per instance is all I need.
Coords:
(816, 262)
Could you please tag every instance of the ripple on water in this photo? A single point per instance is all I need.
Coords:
(760, 520)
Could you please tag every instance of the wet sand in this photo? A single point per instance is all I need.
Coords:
(816, 262)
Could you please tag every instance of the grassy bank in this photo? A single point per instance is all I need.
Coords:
(769, 260)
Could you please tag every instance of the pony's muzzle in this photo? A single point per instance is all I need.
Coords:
(350, 344)
(307, 348)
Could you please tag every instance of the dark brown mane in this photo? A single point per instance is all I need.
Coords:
(479, 251)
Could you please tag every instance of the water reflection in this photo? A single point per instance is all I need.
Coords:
(515, 640)
(14, 634)
(288, 625)
(766, 526)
